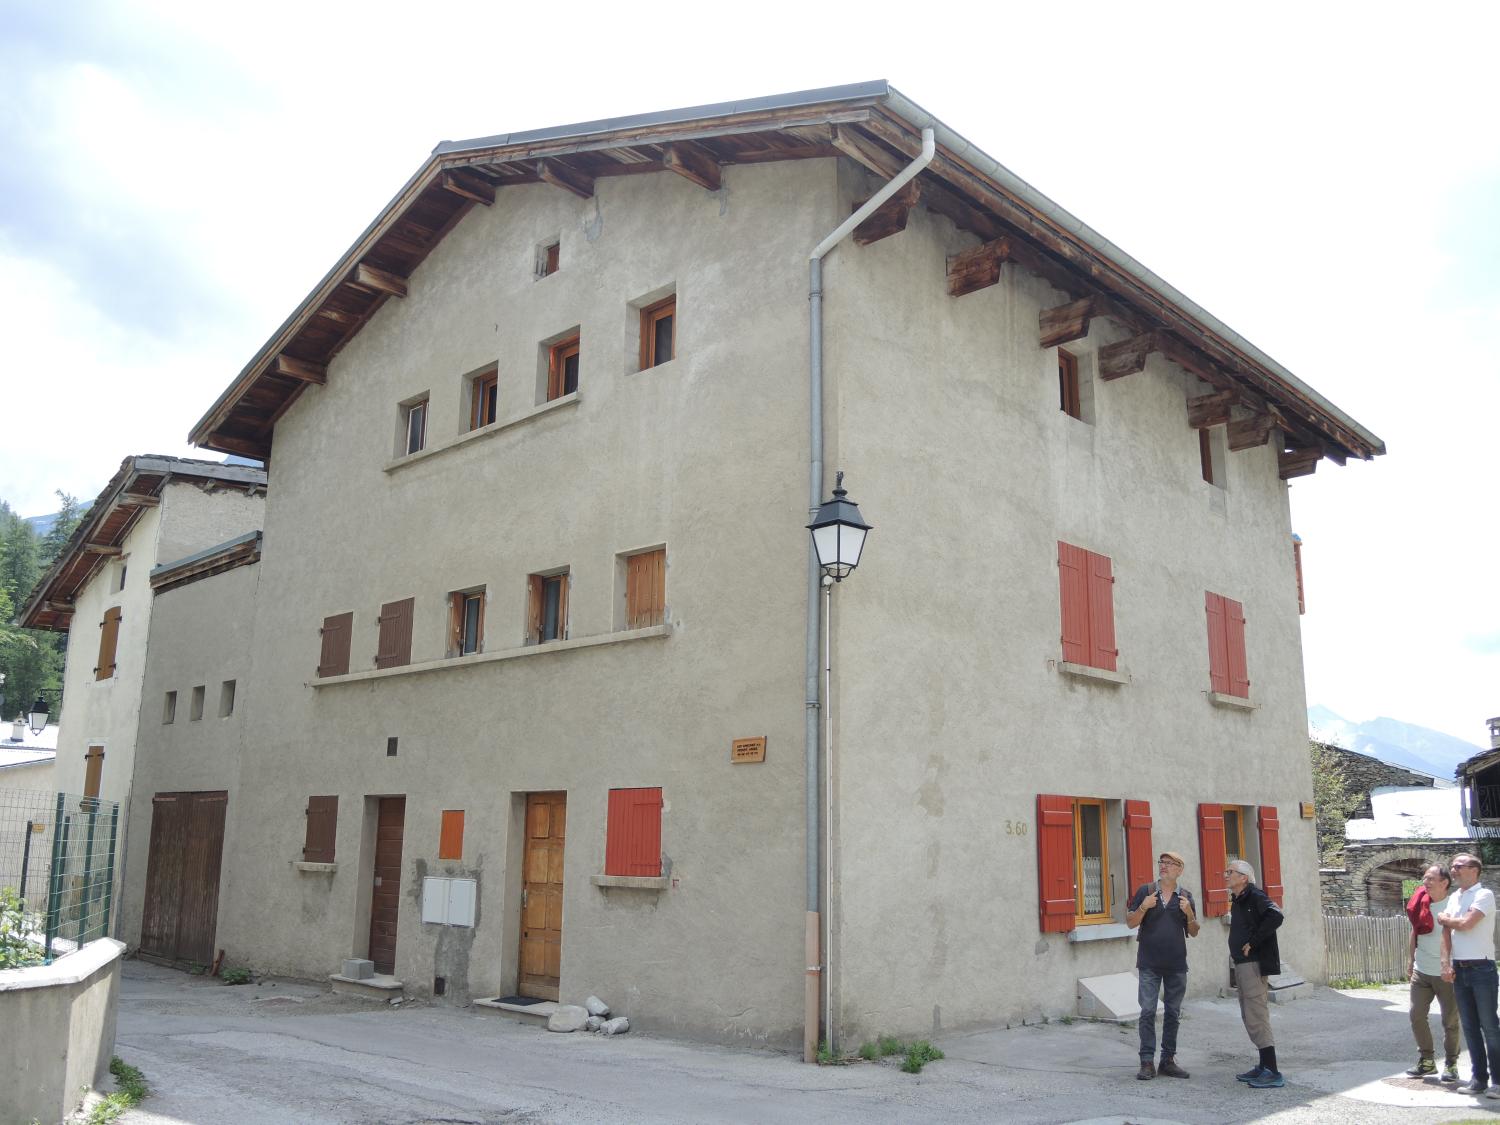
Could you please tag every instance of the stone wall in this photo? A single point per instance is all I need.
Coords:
(1362, 773)
(1346, 890)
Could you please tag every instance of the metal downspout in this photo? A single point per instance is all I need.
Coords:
(816, 968)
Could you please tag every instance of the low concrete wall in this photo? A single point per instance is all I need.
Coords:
(60, 1021)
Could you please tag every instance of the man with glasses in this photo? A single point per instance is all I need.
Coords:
(1253, 920)
(1167, 918)
(1468, 924)
(1425, 967)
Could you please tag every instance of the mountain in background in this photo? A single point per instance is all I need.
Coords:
(1390, 740)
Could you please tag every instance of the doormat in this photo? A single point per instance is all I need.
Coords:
(520, 1001)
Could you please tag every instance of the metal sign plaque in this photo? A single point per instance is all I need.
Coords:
(747, 750)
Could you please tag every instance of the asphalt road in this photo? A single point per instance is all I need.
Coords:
(281, 1052)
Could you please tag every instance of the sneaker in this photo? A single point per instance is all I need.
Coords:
(1472, 1088)
(1450, 1072)
(1169, 1069)
(1253, 1073)
(1267, 1080)
(1147, 1071)
(1493, 1093)
(1423, 1068)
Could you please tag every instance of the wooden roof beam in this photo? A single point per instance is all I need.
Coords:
(228, 443)
(103, 549)
(381, 281)
(1063, 324)
(859, 148)
(293, 368)
(136, 500)
(1298, 462)
(978, 267)
(1127, 356)
(1210, 410)
(558, 174)
(890, 217)
(692, 162)
(468, 185)
(1247, 433)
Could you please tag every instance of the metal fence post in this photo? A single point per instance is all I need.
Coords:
(54, 881)
(25, 862)
(109, 883)
(90, 809)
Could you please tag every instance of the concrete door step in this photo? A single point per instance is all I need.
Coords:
(534, 1014)
(382, 986)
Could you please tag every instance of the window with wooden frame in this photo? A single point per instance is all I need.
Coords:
(633, 833)
(1078, 840)
(333, 659)
(109, 639)
(1228, 673)
(562, 367)
(394, 646)
(645, 589)
(1071, 401)
(1222, 837)
(413, 427)
(451, 835)
(321, 832)
(195, 709)
(658, 332)
(484, 397)
(548, 258)
(547, 608)
(466, 622)
(1086, 591)
(1234, 833)
(1212, 453)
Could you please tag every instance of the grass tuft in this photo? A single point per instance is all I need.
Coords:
(132, 1091)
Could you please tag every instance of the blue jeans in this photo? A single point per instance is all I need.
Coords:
(1475, 987)
(1173, 987)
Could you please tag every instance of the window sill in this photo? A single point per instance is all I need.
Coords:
(1108, 931)
(480, 434)
(632, 882)
(1220, 699)
(1088, 672)
(491, 657)
(307, 868)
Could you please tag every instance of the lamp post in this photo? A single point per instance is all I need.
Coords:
(838, 532)
(37, 717)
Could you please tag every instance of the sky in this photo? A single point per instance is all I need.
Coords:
(1325, 179)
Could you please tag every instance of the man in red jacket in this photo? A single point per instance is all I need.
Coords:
(1424, 970)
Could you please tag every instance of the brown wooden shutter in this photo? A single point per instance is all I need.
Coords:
(334, 658)
(536, 599)
(1211, 858)
(563, 582)
(645, 589)
(1102, 651)
(1055, 876)
(322, 829)
(633, 833)
(1270, 854)
(93, 770)
(1297, 562)
(1140, 863)
(451, 835)
(109, 636)
(1236, 670)
(455, 624)
(394, 647)
(1072, 570)
(1218, 643)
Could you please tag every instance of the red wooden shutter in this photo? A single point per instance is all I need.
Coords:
(109, 635)
(1234, 646)
(633, 835)
(322, 829)
(1073, 592)
(1055, 878)
(334, 659)
(1211, 857)
(394, 648)
(1140, 863)
(451, 835)
(1102, 651)
(1218, 644)
(1270, 854)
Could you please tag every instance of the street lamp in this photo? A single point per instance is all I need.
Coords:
(838, 533)
(37, 719)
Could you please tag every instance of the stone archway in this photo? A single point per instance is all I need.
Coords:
(1385, 885)
(1370, 882)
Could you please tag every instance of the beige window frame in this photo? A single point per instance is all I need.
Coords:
(1084, 807)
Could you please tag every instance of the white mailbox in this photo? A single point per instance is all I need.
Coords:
(449, 902)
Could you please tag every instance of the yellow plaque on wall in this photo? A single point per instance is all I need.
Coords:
(747, 750)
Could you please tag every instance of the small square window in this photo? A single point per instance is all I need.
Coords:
(196, 712)
(484, 395)
(658, 332)
(562, 367)
(226, 699)
(1067, 382)
(413, 426)
(547, 608)
(169, 708)
(466, 622)
(548, 258)
(121, 566)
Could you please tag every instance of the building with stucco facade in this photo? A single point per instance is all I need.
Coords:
(537, 710)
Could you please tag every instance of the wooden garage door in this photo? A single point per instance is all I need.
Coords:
(182, 876)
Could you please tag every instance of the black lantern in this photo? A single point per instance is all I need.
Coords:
(838, 533)
(37, 720)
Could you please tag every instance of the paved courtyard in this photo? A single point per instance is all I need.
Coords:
(286, 1051)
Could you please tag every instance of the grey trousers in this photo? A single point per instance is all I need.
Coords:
(1255, 1010)
(1423, 989)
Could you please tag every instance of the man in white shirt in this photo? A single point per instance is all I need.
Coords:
(1468, 923)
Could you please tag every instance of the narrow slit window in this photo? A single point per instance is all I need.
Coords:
(562, 368)
(484, 397)
(415, 426)
(1069, 395)
(547, 618)
(658, 332)
(169, 708)
(196, 712)
(226, 699)
(548, 259)
(466, 623)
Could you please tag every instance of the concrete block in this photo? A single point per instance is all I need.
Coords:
(356, 968)
(1112, 997)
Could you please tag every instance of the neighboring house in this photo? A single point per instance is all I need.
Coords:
(1479, 780)
(155, 509)
(26, 759)
(531, 699)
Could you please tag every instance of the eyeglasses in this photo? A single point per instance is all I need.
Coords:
(1167, 863)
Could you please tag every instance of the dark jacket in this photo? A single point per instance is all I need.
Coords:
(1253, 918)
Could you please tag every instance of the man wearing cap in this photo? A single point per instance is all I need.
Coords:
(1167, 918)
(1468, 921)
(1253, 920)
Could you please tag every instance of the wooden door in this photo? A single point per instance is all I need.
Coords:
(542, 895)
(182, 876)
(385, 900)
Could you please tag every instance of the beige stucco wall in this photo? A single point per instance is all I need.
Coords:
(950, 712)
(706, 454)
(201, 634)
